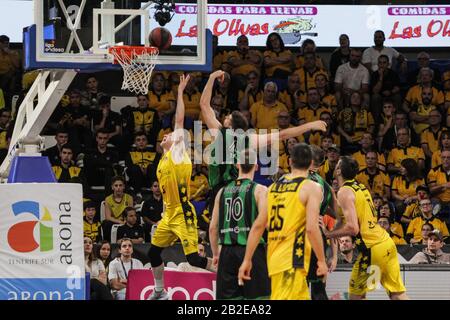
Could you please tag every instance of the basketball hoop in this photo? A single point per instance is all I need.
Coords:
(137, 64)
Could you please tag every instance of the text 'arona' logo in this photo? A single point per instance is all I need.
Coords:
(21, 235)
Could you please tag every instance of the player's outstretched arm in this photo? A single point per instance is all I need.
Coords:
(179, 114)
(208, 114)
(311, 196)
(346, 200)
(266, 139)
(214, 229)
(255, 233)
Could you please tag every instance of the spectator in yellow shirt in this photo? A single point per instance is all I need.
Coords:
(404, 185)
(375, 179)
(252, 92)
(414, 232)
(386, 225)
(313, 108)
(367, 144)
(278, 61)
(292, 95)
(430, 137)
(387, 210)
(404, 150)
(265, 112)
(444, 145)
(439, 180)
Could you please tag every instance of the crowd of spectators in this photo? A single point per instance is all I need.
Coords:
(391, 118)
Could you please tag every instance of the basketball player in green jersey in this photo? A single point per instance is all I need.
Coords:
(239, 206)
(377, 257)
(224, 151)
(318, 291)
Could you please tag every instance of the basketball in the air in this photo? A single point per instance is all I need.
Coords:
(160, 38)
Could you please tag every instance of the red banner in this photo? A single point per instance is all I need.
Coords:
(179, 285)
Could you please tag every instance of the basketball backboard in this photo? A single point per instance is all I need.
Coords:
(76, 34)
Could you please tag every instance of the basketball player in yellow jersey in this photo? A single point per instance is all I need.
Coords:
(377, 258)
(179, 220)
(293, 217)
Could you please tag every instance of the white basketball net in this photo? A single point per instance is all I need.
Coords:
(137, 68)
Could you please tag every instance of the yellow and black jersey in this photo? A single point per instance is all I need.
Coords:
(287, 66)
(142, 158)
(91, 230)
(436, 159)
(355, 124)
(370, 232)
(175, 179)
(283, 163)
(118, 207)
(424, 111)
(412, 210)
(308, 79)
(192, 104)
(289, 99)
(398, 154)
(245, 68)
(439, 176)
(300, 61)
(65, 175)
(414, 96)
(415, 226)
(404, 187)
(309, 114)
(266, 117)
(288, 246)
(375, 183)
(316, 137)
(161, 102)
(326, 172)
(144, 120)
(252, 97)
(431, 138)
(360, 157)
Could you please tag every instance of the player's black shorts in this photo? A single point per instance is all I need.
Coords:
(230, 260)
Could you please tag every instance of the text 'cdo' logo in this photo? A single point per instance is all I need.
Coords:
(21, 235)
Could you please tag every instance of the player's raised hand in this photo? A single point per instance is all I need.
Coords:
(318, 125)
(183, 82)
(244, 272)
(219, 74)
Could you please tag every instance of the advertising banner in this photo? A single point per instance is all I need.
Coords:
(41, 242)
(404, 26)
(179, 285)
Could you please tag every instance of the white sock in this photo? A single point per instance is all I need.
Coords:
(158, 275)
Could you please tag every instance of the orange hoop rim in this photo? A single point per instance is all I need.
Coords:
(132, 51)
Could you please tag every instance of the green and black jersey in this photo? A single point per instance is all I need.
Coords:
(224, 155)
(326, 188)
(238, 210)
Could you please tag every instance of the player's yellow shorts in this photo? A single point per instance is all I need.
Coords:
(378, 265)
(290, 285)
(177, 224)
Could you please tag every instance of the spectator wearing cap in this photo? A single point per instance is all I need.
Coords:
(265, 112)
(404, 185)
(439, 180)
(413, 209)
(386, 225)
(414, 230)
(326, 170)
(353, 122)
(444, 145)
(375, 179)
(423, 61)
(109, 120)
(404, 150)
(433, 253)
(91, 225)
